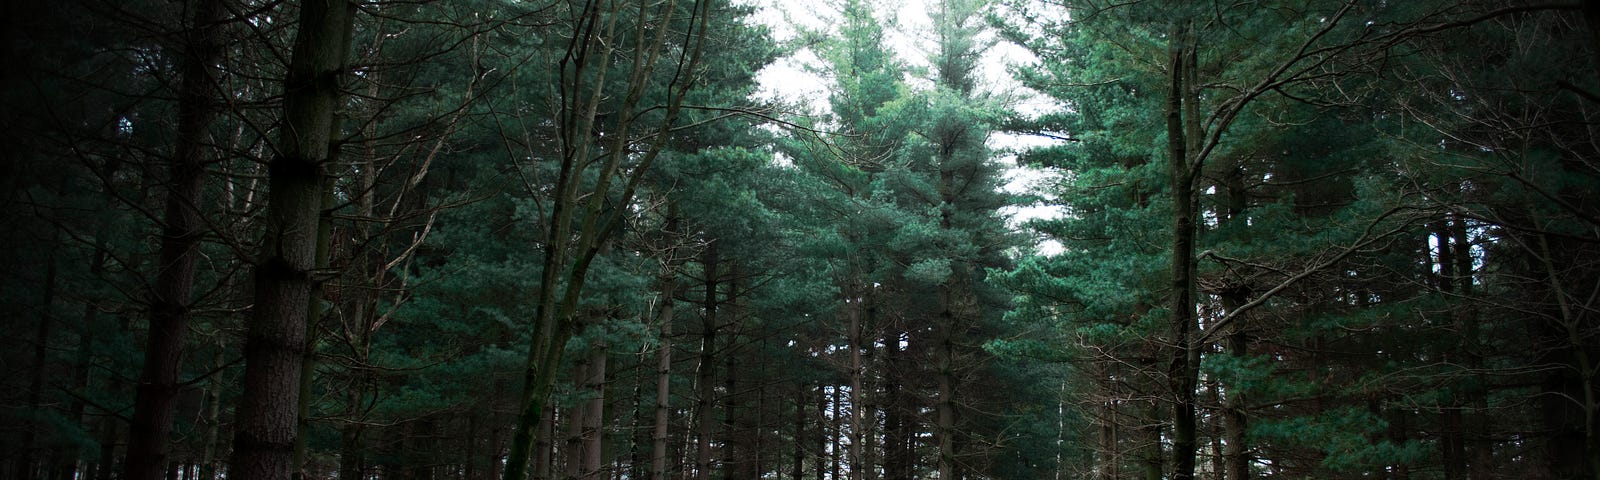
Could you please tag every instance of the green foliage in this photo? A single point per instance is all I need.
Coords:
(1345, 436)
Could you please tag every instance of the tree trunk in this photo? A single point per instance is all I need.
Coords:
(798, 467)
(213, 423)
(600, 216)
(572, 467)
(352, 454)
(313, 328)
(1151, 453)
(1181, 381)
(820, 464)
(852, 307)
(705, 381)
(170, 296)
(594, 414)
(663, 410)
(1236, 455)
(26, 465)
(836, 453)
(544, 449)
(108, 448)
(897, 452)
(266, 423)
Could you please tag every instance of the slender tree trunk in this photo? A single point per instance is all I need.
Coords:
(798, 467)
(1397, 435)
(352, 454)
(173, 291)
(1108, 461)
(1151, 455)
(572, 467)
(836, 453)
(758, 465)
(66, 465)
(26, 465)
(735, 454)
(108, 448)
(544, 467)
(705, 381)
(852, 306)
(266, 420)
(1235, 453)
(1479, 445)
(820, 465)
(663, 410)
(577, 123)
(949, 321)
(213, 423)
(896, 438)
(594, 414)
(1180, 379)
(945, 411)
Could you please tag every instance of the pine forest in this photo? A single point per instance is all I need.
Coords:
(818, 240)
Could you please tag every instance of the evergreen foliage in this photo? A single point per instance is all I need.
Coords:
(568, 239)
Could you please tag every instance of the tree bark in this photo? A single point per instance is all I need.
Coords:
(266, 420)
(705, 381)
(1235, 453)
(594, 414)
(853, 306)
(565, 245)
(663, 408)
(1180, 379)
(156, 395)
(897, 454)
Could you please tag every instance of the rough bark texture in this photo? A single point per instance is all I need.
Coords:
(1182, 295)
(1235, 454)
(663, 410)
(173, 291)
(266, 423)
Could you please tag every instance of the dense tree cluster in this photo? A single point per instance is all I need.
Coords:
(1319, 239)
(564, 239)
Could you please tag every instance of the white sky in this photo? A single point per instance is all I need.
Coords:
(789, 81)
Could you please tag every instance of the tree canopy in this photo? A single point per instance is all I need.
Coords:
(601, 240)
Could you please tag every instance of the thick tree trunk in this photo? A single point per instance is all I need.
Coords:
(170, 296)
(314, 313)
(266, 420)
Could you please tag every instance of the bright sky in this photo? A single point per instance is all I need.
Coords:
(788, 80)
